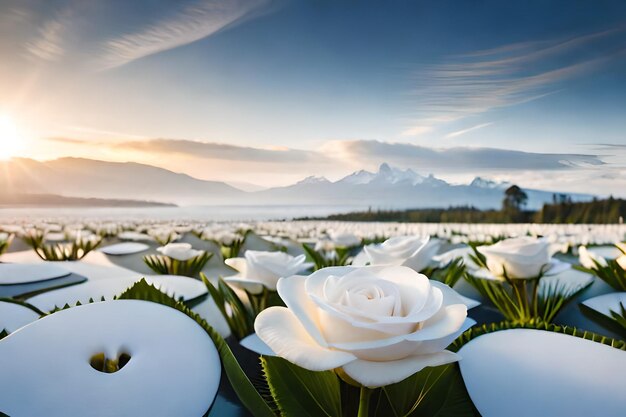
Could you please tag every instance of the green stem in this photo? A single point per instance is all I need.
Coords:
(364, 402)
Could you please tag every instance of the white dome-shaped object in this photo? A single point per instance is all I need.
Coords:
(13, 316)
(125, 248)
(606, 303)
(173, 285)
(529, 373)
(27, 273)
(174, 368)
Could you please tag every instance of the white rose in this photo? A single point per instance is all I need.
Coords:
(179, 251)
(345, 240)
(379, 324)
(263, 269)
(587, 258)
(416, 252)
(521, 258)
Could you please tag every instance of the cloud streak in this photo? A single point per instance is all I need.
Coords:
(469, 129)
(457, 159)
(190, 24)
(480, 81)
(221, 151)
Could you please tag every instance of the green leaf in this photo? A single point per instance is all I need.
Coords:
(165, 265)
(434, 392)
(616, 322)
(302, 393)
(240, 383)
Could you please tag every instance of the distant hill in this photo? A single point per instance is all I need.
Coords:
(78, 177)
(388, 188)
(49, 200)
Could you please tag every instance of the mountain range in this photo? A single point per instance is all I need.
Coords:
(387, 188)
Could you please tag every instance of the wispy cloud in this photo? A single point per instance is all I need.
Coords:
(457, 159)
(222, 151)
(469, 129)
(48, 44)
(480, 81)
(191, 23)
(417, 130)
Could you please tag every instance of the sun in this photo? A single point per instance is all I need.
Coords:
(10, 140)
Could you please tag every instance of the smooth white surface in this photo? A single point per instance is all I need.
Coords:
(14, 316)
(570, 279)
(173, 285)
(531, 373)
(254, 343)
(174, 368)
(126, 248)
(26, 273)
(605, 303)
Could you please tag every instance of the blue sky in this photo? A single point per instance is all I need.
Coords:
(278, 90)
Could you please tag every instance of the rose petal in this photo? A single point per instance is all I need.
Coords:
(379, 374)
(238, 264)
(280, 329)
(292, 292)
(452, 297)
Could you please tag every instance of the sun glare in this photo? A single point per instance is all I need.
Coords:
(10, 140)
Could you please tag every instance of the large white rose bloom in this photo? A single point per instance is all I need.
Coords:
(260, 269)
(416, 252)
(379, 324)
(520, 258)
(179, 251)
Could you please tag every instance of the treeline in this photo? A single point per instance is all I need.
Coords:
(610, 210)
(597, 211)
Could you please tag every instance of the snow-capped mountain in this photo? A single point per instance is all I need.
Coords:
(486, 183)
(388, 188)
(392, 187)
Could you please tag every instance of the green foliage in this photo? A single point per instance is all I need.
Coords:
(525, 300)
(449, 274)
(240, 383)
(302, 393)
(434, 392)
(62, 251)
(564, 211)
(477, 331)
(616, 321)
(232, 250)
(239, 315)
(320, 259)
(596, 211)
(4, 244)
(611, 273)
(165, 265)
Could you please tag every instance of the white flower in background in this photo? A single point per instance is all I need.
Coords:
(4, 237)
(134, 236)
(416, 252)
(587, 257)
(379, 324)
(344, 240)
(621, 261)
(464, 253)
(260, 269)
(520, 258)
(54, 237)
(324, 245)
(179, 251)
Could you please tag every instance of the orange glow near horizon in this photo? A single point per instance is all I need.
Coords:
(10, 139)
